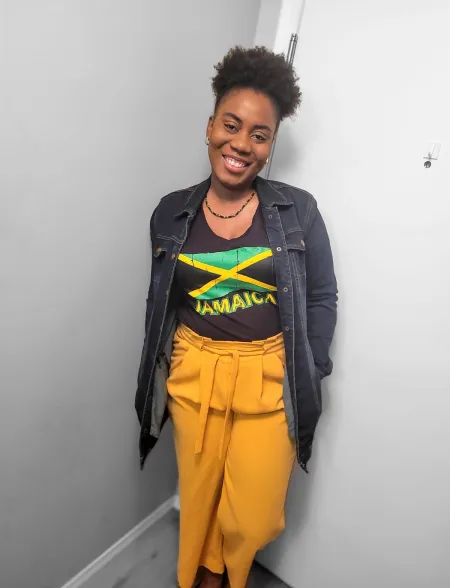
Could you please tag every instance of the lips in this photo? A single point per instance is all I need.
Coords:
(235, 164)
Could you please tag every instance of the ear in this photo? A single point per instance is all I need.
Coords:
(210, 125)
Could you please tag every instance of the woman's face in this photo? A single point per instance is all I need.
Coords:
(240, 135)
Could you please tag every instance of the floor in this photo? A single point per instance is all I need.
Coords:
(151, 561)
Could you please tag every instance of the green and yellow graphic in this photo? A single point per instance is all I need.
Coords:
(230, 289)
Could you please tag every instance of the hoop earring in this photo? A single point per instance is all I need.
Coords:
(207, 140)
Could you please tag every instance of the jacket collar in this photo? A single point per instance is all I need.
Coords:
(268, 195)
(194, 199)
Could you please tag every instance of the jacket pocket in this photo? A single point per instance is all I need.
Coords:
(296, 248)
(160, 251)
(295, 240)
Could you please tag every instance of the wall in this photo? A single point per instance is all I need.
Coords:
(374, 510)
(268, 18)
(103, 110)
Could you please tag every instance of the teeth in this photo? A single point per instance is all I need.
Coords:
(235, 163)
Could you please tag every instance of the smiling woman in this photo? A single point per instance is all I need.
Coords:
(240, 316)
(247, 113)
(240, 136)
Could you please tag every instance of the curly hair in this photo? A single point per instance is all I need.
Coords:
(261, 70)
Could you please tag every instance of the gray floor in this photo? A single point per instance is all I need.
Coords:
(151, 561)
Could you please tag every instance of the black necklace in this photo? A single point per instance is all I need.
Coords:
(230, 215)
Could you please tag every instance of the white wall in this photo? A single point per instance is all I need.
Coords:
(103, 109)
(267, 25)
(375, 509)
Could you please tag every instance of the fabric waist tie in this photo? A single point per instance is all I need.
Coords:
(207, 374)
(214, 351)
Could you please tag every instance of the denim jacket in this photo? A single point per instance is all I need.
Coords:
(307, 296)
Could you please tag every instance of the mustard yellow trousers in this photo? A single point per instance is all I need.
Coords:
(234, 452)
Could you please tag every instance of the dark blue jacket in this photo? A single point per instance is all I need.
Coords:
(307, 296)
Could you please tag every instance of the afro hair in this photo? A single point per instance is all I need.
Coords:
(261, 70)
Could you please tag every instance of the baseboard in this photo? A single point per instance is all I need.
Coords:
(176, 500)
(91, 569)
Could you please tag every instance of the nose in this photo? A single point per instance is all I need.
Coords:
(241, 143)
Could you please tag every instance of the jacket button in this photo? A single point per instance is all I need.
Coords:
(270, 216)
(286, 328)
(158, 251)
(279, 249)
(302, 243)
(172, 257)
(285, 289)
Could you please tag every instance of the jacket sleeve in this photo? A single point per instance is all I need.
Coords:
(150, 298)
(139, 401)
(321, 296)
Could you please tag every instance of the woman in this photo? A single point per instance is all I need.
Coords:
(240, 316)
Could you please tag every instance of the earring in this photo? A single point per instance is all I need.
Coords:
(207, 140)
(267, 161)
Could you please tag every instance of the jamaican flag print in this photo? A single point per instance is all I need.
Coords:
(225, 282)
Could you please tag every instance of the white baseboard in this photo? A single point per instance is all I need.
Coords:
(91, 569)
(176, 499)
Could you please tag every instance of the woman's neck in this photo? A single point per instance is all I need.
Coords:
(228, 194)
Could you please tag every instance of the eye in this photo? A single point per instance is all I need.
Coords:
(230, 126)
(259, 137)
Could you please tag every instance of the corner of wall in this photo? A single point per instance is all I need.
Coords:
(268, 19)
(277, 21)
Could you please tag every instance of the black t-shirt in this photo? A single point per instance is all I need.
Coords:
(228, 285)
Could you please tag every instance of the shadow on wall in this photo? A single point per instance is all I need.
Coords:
(287, 154)
(288, 159)
(301, 490)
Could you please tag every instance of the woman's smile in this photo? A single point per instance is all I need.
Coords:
(235, 165)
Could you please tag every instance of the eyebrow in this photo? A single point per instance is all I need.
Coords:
(238, 120)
